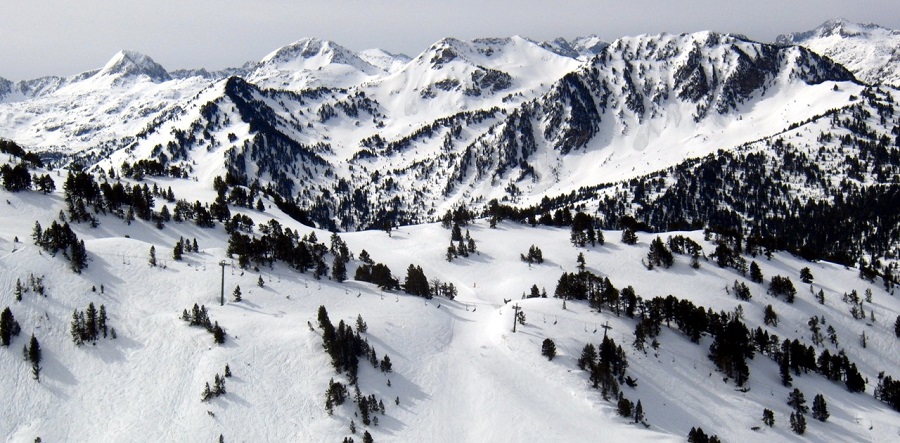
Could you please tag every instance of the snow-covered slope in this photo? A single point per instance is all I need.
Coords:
(386, 61)
(100, 109)
(459, 372)
(473, 121)
(872, 52)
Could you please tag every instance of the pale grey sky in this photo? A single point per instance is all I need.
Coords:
(65, 37)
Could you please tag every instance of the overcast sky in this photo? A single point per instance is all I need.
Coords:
(65, 37)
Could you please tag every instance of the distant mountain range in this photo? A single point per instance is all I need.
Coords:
(361, 139)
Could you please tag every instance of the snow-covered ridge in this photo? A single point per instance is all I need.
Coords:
(872, 52)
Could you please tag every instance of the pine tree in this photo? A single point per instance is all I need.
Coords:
(798, 423)
(237, 293)
(21, 289)
(34, 356)
(782, 286)
(153, 256)
(37, 234)
(77, 329)
(361, 325)
(470, 242)
(756, 275)
(768, 417)
(329, 405)
(820, 408)
(696, 435)
(260, 282)
(588, 357)
(784, 368)
(219, 385)
(339, 269)
(178, 251)
(897, 326)
(806, 276)
(548, 349)
(207, 393)
(367, 438)
(9, 327)
(796, 400)
(628, 236)
(101, 321)
(91, 323)
(638, 412)
(640, 336)
(78, 257)
(386, 365)
(659, 254)
(218, 334)
(624, 406)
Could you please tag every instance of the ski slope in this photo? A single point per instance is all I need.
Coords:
(460, 373)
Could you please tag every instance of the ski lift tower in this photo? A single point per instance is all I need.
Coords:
(222, 294)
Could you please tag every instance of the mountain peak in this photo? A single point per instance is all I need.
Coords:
(845, 28)
(131, 63)
(313, 53)
(839, 27)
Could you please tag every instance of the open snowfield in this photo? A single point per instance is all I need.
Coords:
(460, 373)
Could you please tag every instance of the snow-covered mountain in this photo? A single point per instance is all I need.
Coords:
(757, 167)
(470, 122)
(312, 63)
(459, 372)
(100, 109)
(872, 52)
(463, 122)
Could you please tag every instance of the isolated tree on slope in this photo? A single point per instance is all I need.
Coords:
(796, 400)
(9, 327)
(820, 408)
(548, 349)
(806, 275)
(21, 289)
(798, 423)
(756, 275)
(628, 236)
(34, 356)
(178, 251)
